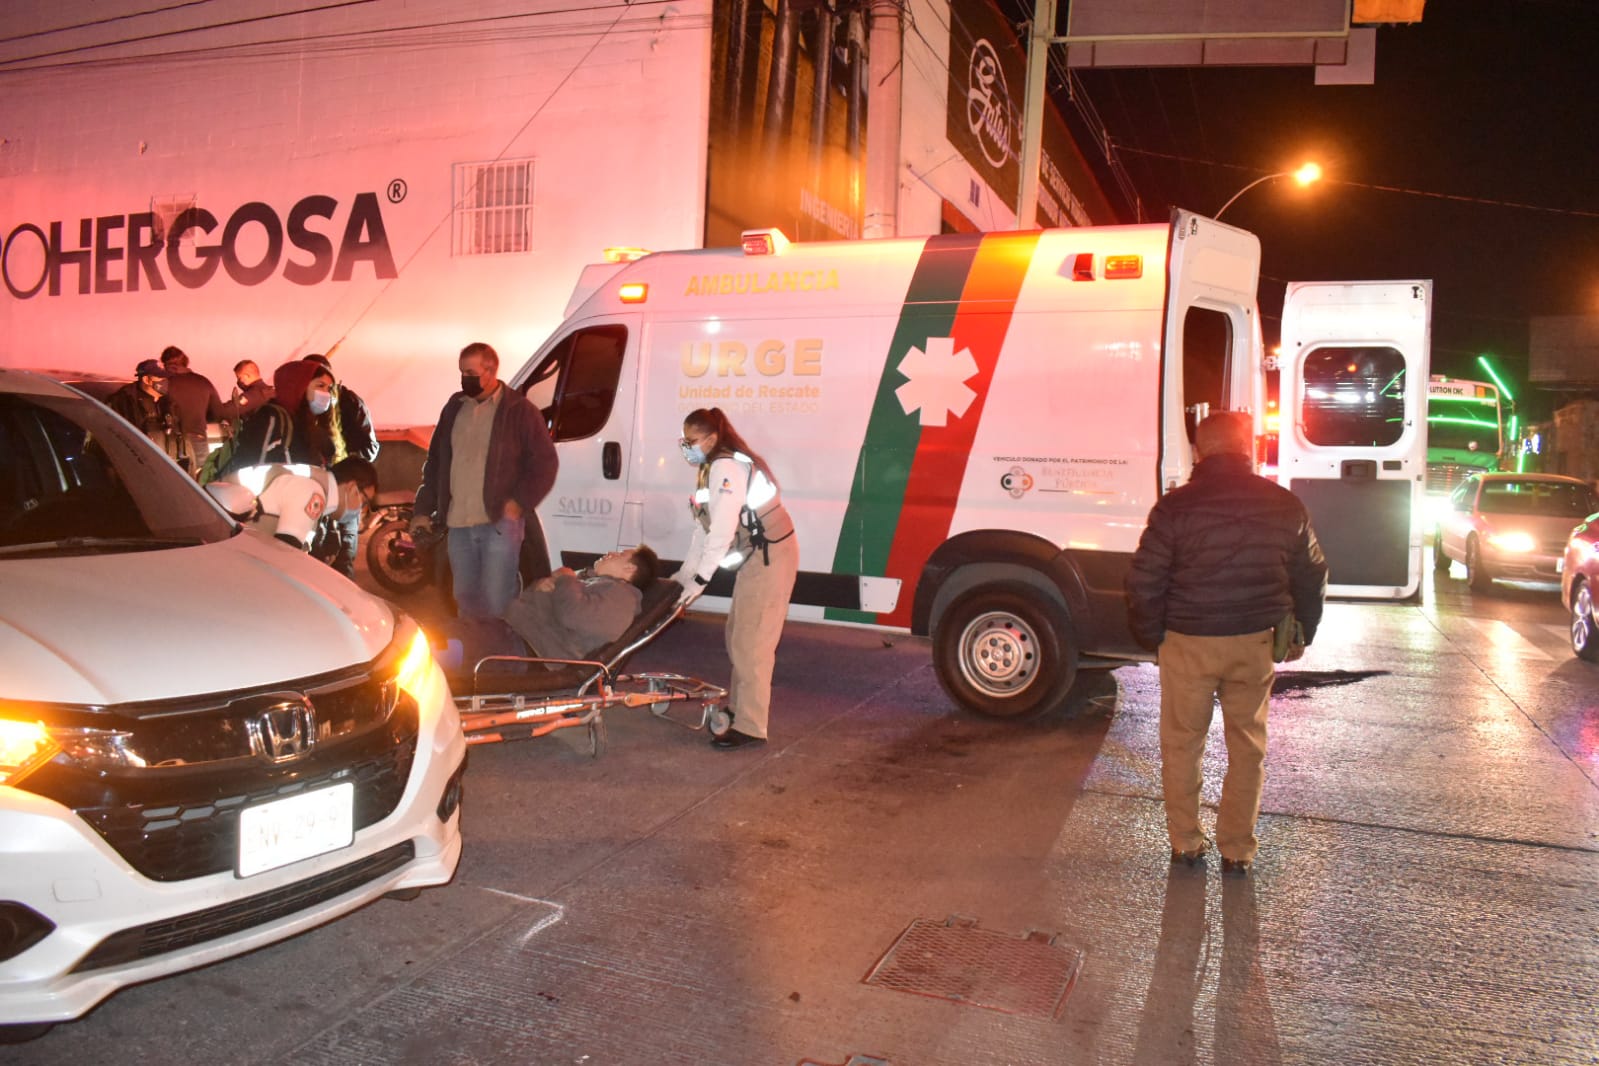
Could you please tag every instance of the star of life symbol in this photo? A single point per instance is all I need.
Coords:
(937, 381)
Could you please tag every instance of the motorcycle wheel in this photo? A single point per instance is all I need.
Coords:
(393, 560)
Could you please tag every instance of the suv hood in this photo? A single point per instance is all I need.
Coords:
(237, 614)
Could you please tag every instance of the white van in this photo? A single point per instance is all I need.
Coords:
(208, 740)
(968, 429)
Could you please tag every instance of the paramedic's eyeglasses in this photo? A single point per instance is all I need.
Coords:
(684, 442)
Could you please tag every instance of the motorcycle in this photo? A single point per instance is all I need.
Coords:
(401, 561)
(404, 562)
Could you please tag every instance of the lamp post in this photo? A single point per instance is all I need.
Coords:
(1305, 175)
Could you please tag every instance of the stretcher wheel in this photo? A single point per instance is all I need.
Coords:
(718, 720)
(596, 737)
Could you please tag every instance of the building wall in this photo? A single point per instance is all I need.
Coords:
(372, 107)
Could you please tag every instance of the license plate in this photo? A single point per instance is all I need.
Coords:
(287, 830)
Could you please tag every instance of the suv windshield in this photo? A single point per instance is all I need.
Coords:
(76, 478)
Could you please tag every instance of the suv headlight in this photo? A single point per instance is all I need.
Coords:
(24, 747)
(406, 664)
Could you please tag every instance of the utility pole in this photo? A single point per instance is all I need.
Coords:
(1039, 36)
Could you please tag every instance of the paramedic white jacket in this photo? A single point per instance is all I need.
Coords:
(292, 498)
(726, 486)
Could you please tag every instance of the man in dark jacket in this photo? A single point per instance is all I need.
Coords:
(1223, 560)
(251, 391)
(142, 403)
(488, 466)
(195, 403)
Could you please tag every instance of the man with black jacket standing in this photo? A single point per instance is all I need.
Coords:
(489, 464)
(1223, 560)
(195, 404)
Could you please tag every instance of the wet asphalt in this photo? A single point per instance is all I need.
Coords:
(890, 881)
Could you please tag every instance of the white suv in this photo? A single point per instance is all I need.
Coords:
(208, 741)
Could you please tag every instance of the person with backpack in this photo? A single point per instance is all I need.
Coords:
(344, 430)
(278, 431)
(740, 526)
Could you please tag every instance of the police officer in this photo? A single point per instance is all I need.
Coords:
(740, 525)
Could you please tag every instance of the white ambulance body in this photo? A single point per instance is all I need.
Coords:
(969, 430)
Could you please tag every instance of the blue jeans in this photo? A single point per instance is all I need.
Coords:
(485, 559)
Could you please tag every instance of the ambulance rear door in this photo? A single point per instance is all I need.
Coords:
(1353, 445)
(1211, 357)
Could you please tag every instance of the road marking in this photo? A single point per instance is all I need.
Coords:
(1505, 638)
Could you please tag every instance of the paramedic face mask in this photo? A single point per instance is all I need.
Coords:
(695, 450)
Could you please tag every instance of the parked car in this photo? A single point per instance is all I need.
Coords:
(1579, 572)
(100, 386)
(208, 741)
(1511, 526)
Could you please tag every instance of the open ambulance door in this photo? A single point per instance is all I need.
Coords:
(1353, 445)
(1212, 352)
(582, 380)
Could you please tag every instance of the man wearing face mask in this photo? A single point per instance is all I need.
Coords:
(488, 466)
(194, 403)
(142, 403)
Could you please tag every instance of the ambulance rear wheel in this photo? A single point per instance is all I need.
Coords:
(1005, 651)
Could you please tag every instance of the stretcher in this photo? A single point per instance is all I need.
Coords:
(518, 697)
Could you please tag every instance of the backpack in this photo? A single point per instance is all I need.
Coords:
(224, 458)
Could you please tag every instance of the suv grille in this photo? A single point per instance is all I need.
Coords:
(174, 814)
(158, 938)
(193, 833)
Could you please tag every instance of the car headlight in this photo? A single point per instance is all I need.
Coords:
(24, 747)
(406, 664)
(1512, 542)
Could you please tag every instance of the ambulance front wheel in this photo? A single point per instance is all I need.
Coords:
(1005, 651)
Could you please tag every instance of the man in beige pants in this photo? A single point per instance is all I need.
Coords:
(1222, 561)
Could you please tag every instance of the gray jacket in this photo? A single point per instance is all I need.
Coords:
(566, 616)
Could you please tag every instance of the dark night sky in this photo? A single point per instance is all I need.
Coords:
(1480, 107)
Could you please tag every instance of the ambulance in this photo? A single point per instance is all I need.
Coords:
(968, 429)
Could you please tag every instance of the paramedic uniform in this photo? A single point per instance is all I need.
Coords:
(293, 499)
(764, 579)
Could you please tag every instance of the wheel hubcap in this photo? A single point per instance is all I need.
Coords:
(999, 653)
(1582, 619)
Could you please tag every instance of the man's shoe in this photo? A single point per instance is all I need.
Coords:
(734, 739)
(1189, 858)
(1234, 867)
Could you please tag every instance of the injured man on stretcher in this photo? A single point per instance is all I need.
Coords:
(568, 615)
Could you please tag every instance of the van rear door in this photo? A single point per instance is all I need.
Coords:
(1353, 445)
(1211, 358)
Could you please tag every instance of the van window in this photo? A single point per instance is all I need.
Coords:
(1354, 397)
(575, 384)
(1207, 346)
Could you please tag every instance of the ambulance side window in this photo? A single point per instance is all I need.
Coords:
(575, 384)
(1354, 397)
(1207, 348)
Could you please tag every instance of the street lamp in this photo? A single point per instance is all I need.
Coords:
(1306, 174)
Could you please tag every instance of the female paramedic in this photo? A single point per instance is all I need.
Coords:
(741, 526)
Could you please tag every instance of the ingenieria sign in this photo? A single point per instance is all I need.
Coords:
(317, 241)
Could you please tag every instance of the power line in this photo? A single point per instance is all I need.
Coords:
(105, 21)
(1575, 212)
(190, 29)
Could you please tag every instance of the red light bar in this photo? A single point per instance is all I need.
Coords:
(1083, 266)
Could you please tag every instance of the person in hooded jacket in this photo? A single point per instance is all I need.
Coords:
(740, 525)
(280, 431)
(343, 431)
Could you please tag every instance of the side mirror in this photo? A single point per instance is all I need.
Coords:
(237, 500)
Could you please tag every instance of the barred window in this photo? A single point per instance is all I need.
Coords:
(493, 207)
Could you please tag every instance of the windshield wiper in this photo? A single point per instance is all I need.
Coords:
(68, 545)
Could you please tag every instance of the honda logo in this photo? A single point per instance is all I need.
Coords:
(284, 730)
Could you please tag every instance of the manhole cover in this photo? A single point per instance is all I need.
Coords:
(1029, 975)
